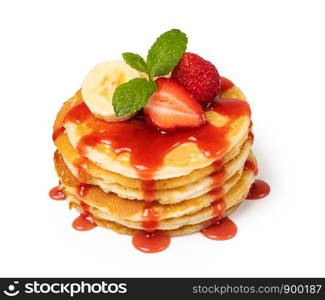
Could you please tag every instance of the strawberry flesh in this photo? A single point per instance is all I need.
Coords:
(171, 106)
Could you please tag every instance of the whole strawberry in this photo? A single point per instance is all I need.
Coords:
(198, 76)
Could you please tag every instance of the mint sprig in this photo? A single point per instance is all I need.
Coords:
(162, 58)
(135, 61)
(131, 96)
(166, 52)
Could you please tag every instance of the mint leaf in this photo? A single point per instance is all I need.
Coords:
(166, 52)
(131, 96)
(135, 61)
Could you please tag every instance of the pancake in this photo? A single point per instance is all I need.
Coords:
(180, 159)
(71, 156)
(179, 194)
(232, 198)
(185, 230)
(194, 176)
(129, 209)
(129, 213)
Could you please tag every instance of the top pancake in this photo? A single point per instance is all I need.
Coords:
(181, 159)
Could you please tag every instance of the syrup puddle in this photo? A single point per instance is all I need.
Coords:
(56, 194)
(150, 242)
(258, 190)
(221, 230)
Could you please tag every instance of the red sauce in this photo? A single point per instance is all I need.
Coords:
(85, 207)
(83, 223)
(225, 84)
(77, 114)
(56, 194)
(250, 132)
(57, 132)
(150, 218)
(149, 146)
(148, 187)
(219, 207)
(218, 165)
(250, 165)
(223, 229)
(251, 136)
(258, 190)
(217, 192)
(151, 242)
(81, 164)
(82, 189)
(219, 177)
(233, 108)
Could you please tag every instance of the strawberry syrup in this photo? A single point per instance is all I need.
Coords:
(82, 189)
(83, 222)
(258, 190)
(251, 136)
(81, 164)
(225, 84)
(147, 145)
(57, 194)
(57, 132)
(251, 165)
(221, 230)
(150, 218)
(149, 240)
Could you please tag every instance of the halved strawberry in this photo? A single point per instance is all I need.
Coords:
(172, 106)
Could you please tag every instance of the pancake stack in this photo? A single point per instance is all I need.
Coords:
(129, 177)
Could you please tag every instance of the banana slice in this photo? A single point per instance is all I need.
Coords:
(99, 85)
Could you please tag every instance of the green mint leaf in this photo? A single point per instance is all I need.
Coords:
(135, 61)
(166, 52)
(131, 96)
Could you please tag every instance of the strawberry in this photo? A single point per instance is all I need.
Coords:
(172, 106)
(198, 76)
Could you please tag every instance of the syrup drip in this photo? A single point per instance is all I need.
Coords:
(151, 242)
(219, 177)
(57, 132)
(250, 132)
(218, 165)
(82, 189)
(218, 205)
(148, 187)
(219, 208)
(81, 164)
(83, 223)
(150, 218)
(57, 194)
(251, 136)
(258, 190)
(147, 145)
(221, 230)
(250, 165)
(217, 193)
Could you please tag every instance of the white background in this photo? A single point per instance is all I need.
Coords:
(273, 50)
